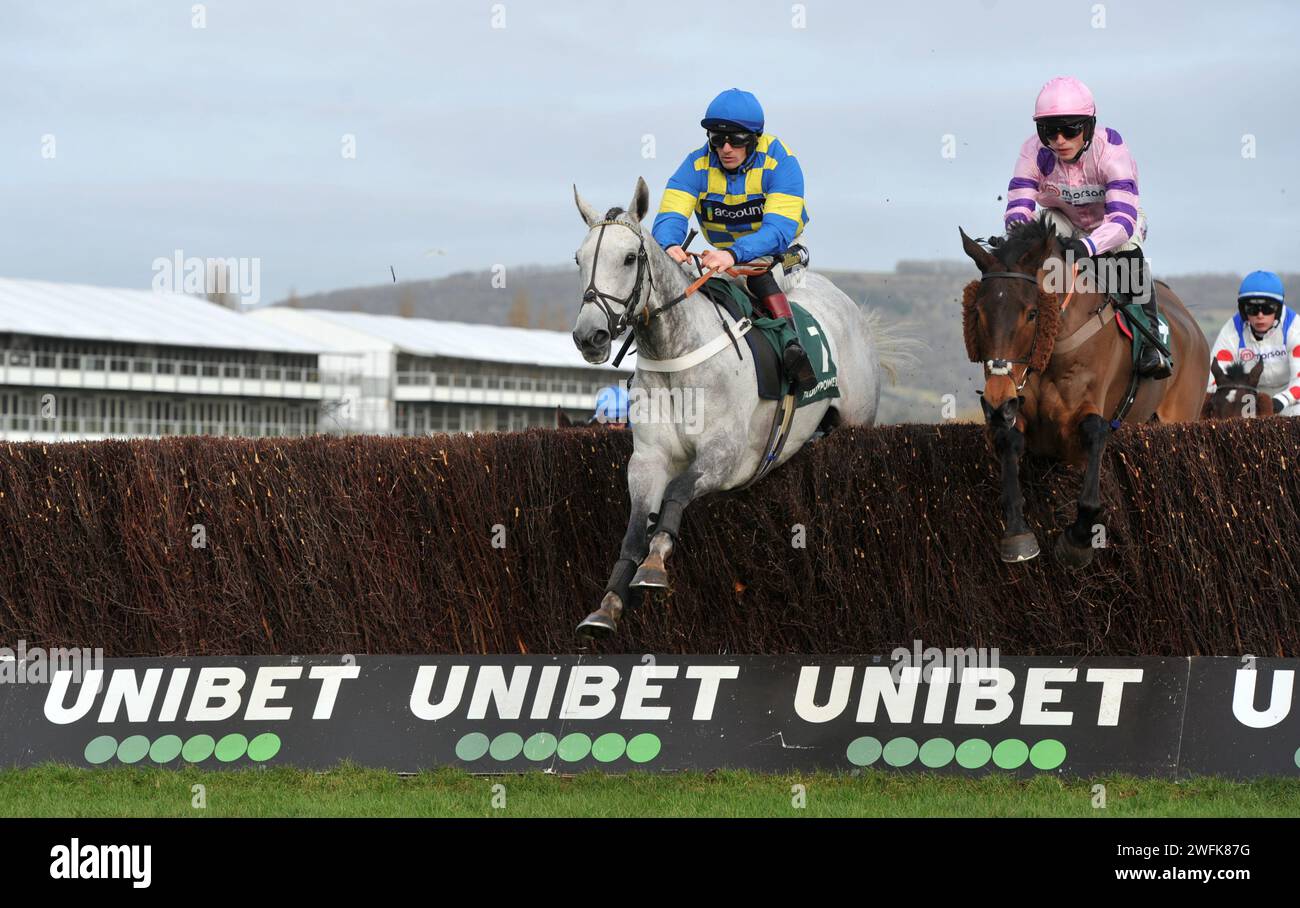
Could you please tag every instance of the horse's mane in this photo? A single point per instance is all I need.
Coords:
(1021, 238)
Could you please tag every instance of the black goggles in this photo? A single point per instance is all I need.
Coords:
(1070, 128)
(734, 139)
(1261, 307)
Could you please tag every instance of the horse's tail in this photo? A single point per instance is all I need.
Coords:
(896, 348)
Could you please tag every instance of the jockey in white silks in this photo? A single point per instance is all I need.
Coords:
(1264, 329)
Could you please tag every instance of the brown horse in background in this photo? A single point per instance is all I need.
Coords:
(1236, 393)
(1057, 372)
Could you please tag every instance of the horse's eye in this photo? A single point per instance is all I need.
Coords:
(631, 257)
(1033, 314)
(575, 260)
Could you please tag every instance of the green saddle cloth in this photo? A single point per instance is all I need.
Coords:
(777, 332)
(1133, 312)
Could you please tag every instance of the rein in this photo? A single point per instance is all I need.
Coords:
(617, 323)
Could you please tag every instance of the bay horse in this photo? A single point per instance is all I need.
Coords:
(1057, 372)
(1236, 393)
(686, 350)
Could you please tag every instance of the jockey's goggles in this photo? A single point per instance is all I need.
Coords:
(734, 139)
(1261, 307)
(1070, 127)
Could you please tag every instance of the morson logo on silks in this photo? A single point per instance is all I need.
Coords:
(1145, 716)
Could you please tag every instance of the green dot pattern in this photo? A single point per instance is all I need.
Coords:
(165, 749)
(974, 753)
(132, 749)
(608, 747)
(264, 746)
(198, 748)
(540, 746)
(1047, 754)
(900, 751)
(643, 748)
(864, 751)
(231, 747)
(472, 747)
(1010, 754)
(506, 746)
(574, 747)
(937, 752)
(101, 749)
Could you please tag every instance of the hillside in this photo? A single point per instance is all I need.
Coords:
(919, 296)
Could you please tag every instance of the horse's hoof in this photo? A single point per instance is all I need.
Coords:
(1020, 547)
(603, 622)
(1072, 556)
(650, 577)
(599, 625)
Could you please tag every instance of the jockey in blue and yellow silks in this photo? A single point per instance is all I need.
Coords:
(745, 189)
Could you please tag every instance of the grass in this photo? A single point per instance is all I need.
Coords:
(349, 791)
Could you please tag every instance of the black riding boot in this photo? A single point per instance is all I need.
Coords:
(794, 359)
(1151, 362)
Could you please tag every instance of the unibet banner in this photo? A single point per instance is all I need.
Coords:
(1152, 717)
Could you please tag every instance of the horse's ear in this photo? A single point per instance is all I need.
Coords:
(562, 420)
(983, 259)
(1217, 371)
(589, 214)
(1256, 372)
(1051, 242)
(640, 200)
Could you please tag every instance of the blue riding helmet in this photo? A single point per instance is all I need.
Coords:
(734, 108)
(611, 404)
(1260, 285)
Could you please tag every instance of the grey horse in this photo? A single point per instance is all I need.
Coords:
(704, 428)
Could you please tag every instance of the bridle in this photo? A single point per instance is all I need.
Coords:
(618, 322)
(1003, 366)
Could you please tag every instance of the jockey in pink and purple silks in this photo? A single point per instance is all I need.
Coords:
(1084, 182)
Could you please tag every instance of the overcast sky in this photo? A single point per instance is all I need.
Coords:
(228, 140)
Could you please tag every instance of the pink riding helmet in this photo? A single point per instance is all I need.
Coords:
(1064, 96)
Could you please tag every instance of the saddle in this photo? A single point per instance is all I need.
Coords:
(769, 338)
(1131, 318)
(767, 365)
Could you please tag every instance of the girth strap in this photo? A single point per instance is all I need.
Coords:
(1084, 333)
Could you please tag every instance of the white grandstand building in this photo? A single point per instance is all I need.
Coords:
(80, 362)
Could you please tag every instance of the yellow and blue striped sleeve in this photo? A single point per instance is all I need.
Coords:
(679, 201)
(784, 214)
